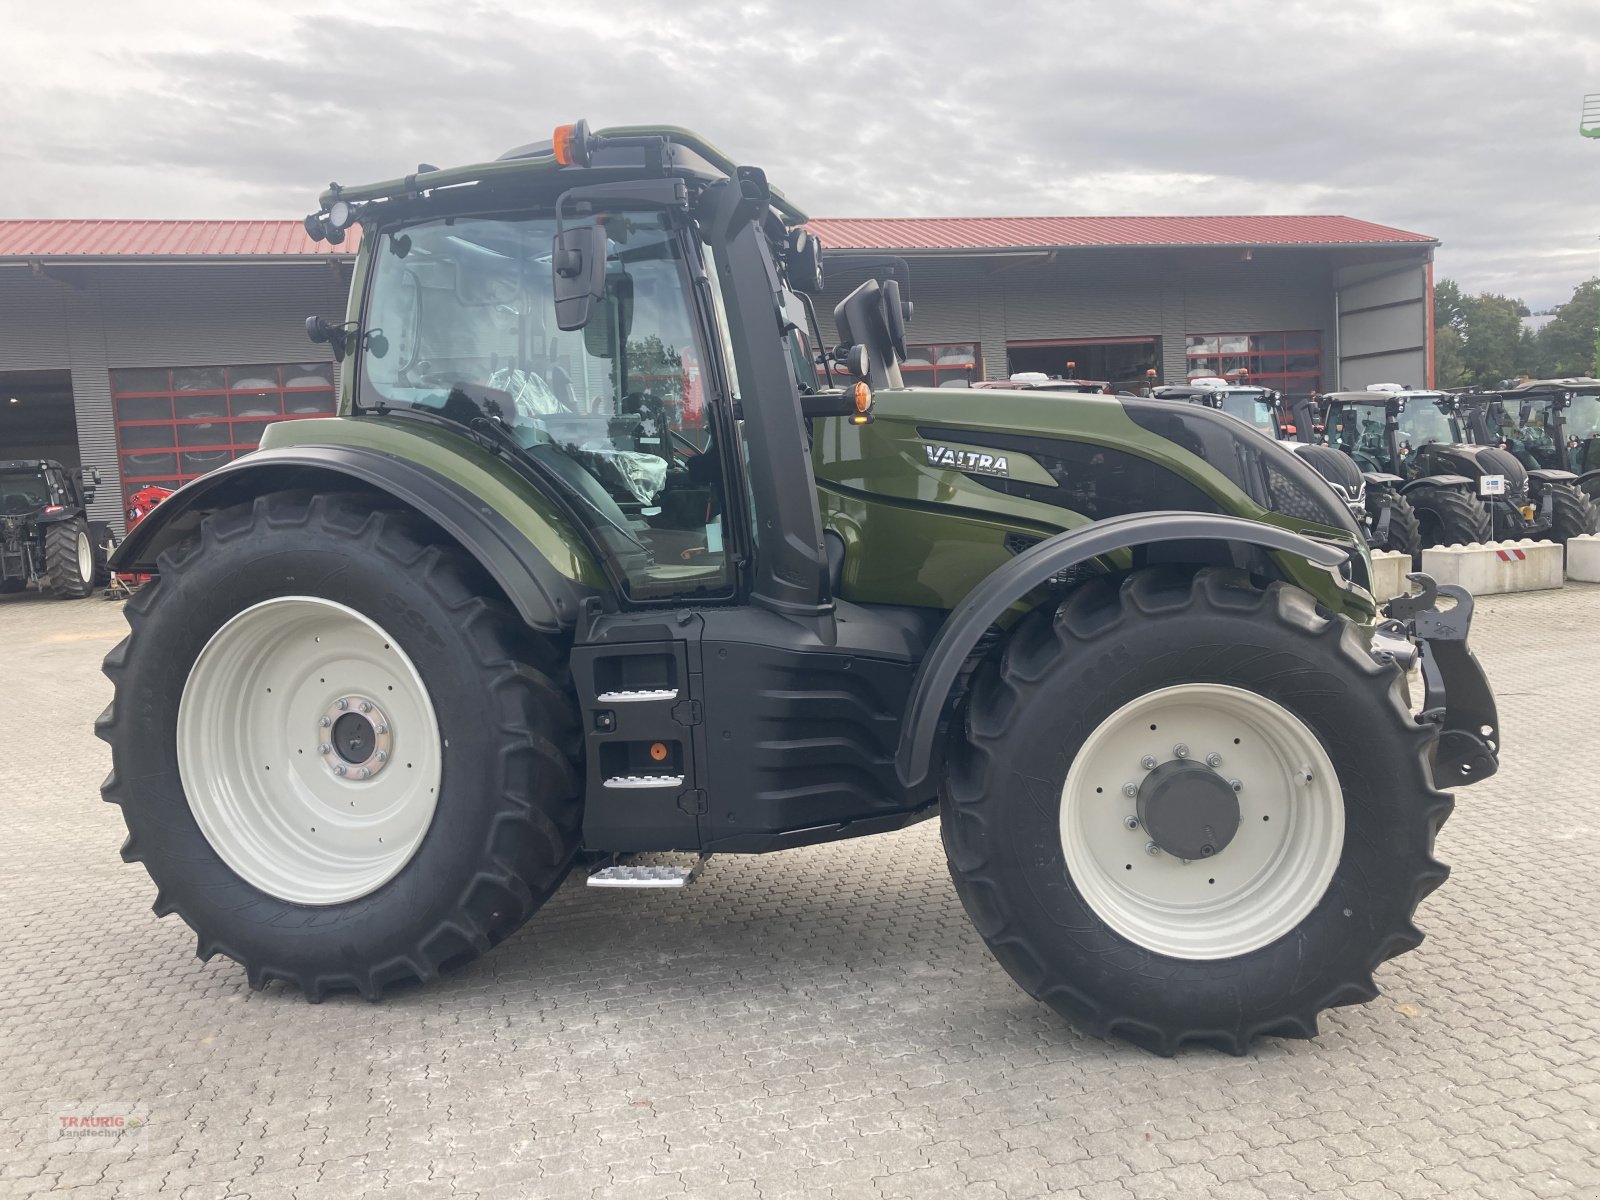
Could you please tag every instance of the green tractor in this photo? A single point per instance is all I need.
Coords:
(588, 566)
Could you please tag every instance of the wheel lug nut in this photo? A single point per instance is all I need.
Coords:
(341, 704)
(1213, 760)
(1130, 790)
(325, 722)
(1236, 784)
(366, 706)
(1148, 762)
(382, 728)
(1131, 822)
(340, 769)
(324, 748)
(383, 756)
(1180, 751)
(364, 773)
(1152, 849)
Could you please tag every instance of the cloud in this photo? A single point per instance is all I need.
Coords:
(1458, 122)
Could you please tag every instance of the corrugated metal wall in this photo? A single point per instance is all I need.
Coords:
(1113, 293)
(1383, 324)
(94, 319)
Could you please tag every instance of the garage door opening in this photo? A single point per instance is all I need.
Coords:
(1120, 361)
(36, 416)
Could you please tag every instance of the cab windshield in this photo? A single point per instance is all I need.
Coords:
(1358, 430)
(1424, 424)
(1525, 428)
(1251, 407)
(1583, 415)
(460, 322)
(22, 492)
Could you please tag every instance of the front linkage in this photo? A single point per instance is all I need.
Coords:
(1456, 693)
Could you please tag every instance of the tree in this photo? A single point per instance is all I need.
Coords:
(1477, 339)
(1566, 345)
(1449, 327)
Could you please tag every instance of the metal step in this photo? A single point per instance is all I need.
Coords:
(645, 875)
(636, 697)
(645, 781)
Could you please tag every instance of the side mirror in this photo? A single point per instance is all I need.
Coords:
(610, 322)
(578, 266)
(802, 262)
(321, 331)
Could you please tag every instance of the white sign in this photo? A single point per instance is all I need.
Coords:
(1492, 485)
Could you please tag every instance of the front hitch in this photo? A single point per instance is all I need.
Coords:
(1456, 693)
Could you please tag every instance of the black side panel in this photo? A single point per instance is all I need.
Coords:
(638, 697)
(784, 730)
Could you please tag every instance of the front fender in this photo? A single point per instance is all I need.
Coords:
(987, 602)
(546, 583)
(1437, 481)
(1382, 479)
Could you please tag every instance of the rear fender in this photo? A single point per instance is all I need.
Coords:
(988, 602)
(1544, 477)
(547, 598)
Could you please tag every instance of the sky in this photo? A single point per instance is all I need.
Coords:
(1458, 120)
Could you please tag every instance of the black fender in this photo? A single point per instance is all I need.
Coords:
(1584, 480)
(1383, 479)
(1437, 481)
(1544, 476)
(546, 599)
(987, 602)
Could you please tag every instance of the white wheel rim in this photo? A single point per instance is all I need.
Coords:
(257, 712)
(85, 557)
(1261, 884)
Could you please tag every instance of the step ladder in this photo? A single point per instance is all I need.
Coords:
(637, 874)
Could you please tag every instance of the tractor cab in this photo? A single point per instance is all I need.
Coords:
(1391, 431)
(1257, 406)
(1548, 424)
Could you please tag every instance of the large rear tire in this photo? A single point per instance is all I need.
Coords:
(104, 543)
(340, 756)
(1574, 514)
(1450, 516)
(1288, 901)
(68, 560)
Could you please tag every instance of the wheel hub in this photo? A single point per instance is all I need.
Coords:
(1188, 809)
(355, 738)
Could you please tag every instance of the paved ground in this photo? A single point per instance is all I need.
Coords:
(818, 1023)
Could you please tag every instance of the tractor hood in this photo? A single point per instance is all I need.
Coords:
(1027, 444)
(1475, 462)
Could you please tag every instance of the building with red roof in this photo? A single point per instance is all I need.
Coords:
(153, 351)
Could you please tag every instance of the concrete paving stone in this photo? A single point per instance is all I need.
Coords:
(819, 1023)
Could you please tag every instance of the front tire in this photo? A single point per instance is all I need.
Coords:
(1404, 533)
(68, 560)
(1449, 516)
(227, 737)
(1573, 513)
(1273, 919)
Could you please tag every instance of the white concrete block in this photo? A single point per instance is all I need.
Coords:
(1389, 568)
(1493, 567)
(1583, 558)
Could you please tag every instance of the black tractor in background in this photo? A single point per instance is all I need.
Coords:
(1551, 427)
(1385, 516)
(46, 537)
(1418, 443)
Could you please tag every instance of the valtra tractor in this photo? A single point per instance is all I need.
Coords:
(401, 669)
(1552, 428)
